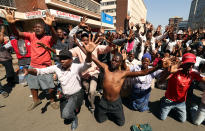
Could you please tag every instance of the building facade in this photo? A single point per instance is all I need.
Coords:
(183, 25)
(119, 9)
(197, 14)
(174, 21)
(109, 7)
(65, 11)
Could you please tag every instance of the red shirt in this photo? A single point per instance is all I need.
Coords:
(40, 58)
(14, 44)
(179, 84)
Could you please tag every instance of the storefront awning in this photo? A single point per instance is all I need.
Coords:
(63, 16)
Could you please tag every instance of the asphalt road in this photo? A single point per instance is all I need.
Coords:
(15, 117)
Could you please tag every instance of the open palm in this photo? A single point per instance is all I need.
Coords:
(48, 19)
(10, 15)
(90, 47)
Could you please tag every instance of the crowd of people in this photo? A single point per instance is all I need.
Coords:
(80, 65)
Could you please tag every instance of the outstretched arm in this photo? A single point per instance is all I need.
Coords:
(42, 71)
(30, 71)
(141, 73)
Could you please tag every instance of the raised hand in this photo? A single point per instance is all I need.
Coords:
(131, 24)
(175, 68)
(49, 18)
(148, 25)
(90, 47)
(2, 30)
(83, 22)
(10, 15)
(166, 62)
(137, 26)
(159, 27)
(131, 33)
(143, 21)
(124, 55)
(70, 27)
(102, 30)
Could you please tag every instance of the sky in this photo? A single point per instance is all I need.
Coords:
(159, 11)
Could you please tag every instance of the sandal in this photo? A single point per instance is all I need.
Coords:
(34, 105)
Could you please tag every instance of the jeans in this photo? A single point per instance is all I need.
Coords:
(167, 105)
(140, 99)
(70, 104)
(198, 116)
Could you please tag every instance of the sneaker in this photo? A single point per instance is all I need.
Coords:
(5, 94)
(34, 105)
(55, 105)
(74, 123)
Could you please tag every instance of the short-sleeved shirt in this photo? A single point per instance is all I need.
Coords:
(40, 58)
(178, 85)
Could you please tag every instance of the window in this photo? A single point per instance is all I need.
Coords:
(109, 3)
(9, 3)
(109, 10)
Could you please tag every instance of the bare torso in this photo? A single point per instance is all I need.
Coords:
(112, 84)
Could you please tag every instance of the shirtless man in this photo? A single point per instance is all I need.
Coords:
(110, 106)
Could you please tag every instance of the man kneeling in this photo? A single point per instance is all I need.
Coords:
(68, 75)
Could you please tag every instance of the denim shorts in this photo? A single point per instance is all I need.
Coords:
(40, 81)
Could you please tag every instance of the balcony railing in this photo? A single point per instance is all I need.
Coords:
(85, 4)
(8, 3)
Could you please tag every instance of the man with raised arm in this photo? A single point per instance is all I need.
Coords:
(68, 74)
(40, 58)
(110, 106)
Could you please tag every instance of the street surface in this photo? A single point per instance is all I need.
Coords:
(15, 117)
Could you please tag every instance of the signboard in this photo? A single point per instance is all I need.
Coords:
(64, 15)
(35, 14)
(56, 13)
(105, 18)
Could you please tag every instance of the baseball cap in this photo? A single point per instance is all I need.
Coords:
(188, 58)
(65, 54)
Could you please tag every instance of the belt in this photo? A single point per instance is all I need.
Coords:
(66, 96)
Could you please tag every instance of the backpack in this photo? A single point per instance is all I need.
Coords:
(141, 127)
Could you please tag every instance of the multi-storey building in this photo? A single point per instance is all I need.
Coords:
(197, 14)
(109, 7)
(65, 11)
(136, 9)
(119, 9)
(174, 21)
(182, 25)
